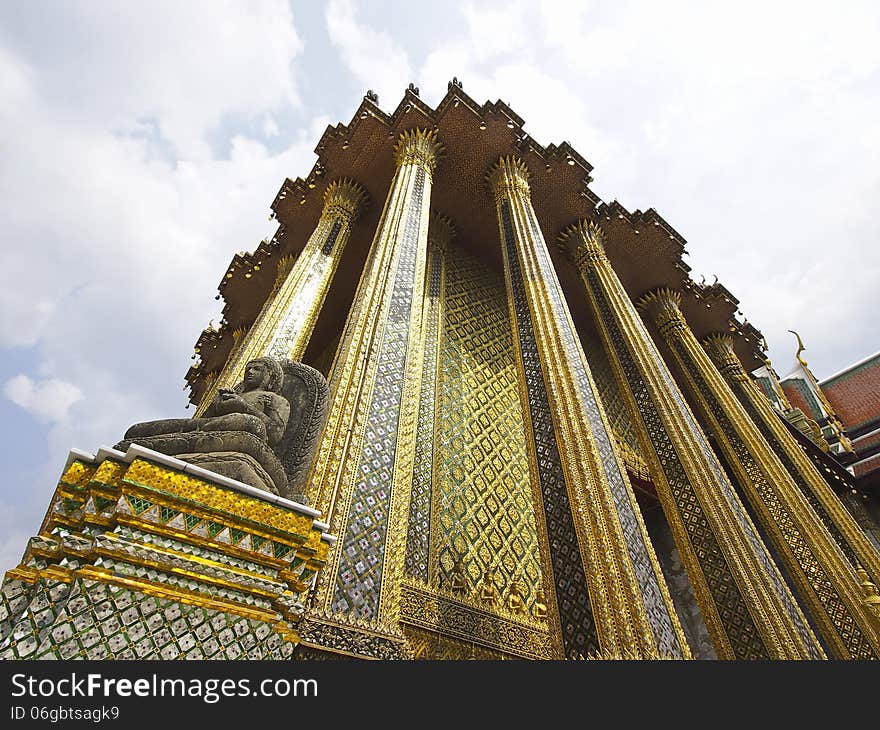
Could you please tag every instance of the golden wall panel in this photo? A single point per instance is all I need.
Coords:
(482, 499)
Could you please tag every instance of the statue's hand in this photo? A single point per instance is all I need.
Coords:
(266, 401)
(232, 402)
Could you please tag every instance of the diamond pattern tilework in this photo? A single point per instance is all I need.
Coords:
(648, 579)
(738, 623)
(794, 471)
(484, 508)
(572, 596)
(298, 311)
(815, 573)
(419, 524)
(15, 597)
(360, 567)
(327, 246)
(612, 400)
(760, 551)
(91, 620)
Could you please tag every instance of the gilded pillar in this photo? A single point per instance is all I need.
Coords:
(824, 577)
(419, 525)
(835, 515)
(363, 471)
(610, 596)
(700, 496)
(285, 324)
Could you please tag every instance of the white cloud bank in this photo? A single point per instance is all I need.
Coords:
(123, 196)
(48, 400)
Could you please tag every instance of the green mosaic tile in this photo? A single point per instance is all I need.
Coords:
(102, 503)
(70, 505)
(139, 505)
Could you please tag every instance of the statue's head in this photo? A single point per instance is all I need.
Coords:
(263, 373)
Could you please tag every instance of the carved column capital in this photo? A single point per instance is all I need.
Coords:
(662, 306)
(584, 243)
(720, 349)
(344, 198)
(441, 231)
(418, 147)
(508, 176)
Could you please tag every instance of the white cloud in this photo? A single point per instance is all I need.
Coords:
(371, 55)
(270, 127)
(118, 217)
(185, 65)
(47, 400)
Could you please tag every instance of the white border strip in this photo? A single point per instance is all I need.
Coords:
(848, 368)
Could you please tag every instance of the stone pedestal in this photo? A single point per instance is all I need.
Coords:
(143, 556)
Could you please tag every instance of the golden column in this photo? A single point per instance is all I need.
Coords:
(285, 323)
(610, 596)
(363, 471)
(840, 523)
(817, 562)
(784, 629)
(706, 522)
(441, 231)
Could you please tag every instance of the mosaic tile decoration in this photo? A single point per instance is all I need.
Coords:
(418, 536)
(738, 623)
(648, 579)
(89, 619)
(290, 324)
(792, 468)
(483, 510)
(330, 242)
(812, 569)
(760, 551)
(572, 595)
(15, 597)
(357, 584)
(612, 400)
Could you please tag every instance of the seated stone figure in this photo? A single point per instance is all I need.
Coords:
(263, 433)
(256, 409)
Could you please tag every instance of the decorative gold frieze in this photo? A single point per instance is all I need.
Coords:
(473, 620)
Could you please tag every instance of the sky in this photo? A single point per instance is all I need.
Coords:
(141, 144)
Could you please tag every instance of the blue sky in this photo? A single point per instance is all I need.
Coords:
(143, 143)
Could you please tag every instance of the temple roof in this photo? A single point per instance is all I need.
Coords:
(645, 250)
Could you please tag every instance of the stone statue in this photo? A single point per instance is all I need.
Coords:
(257, 409)
(264, 432)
